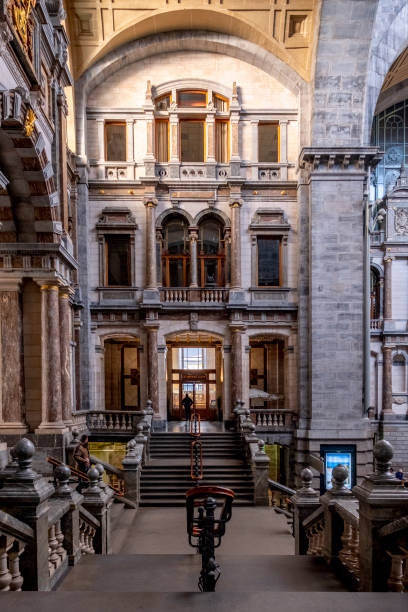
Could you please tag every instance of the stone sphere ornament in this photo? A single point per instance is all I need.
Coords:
(24, 451)
(383, 453)
(62, 474)
(339, 477)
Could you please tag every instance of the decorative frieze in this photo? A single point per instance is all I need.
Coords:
(325, 159)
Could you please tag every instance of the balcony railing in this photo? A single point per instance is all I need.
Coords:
(181, 295)
(376, 324)
(272, 419)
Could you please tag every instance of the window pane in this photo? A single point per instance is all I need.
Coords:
(163, 103)
(175, 235)
(221, 104)
(268, 142)
(162, 141)
(115, 134)
(221, 141)
(268, 262)
(210, 237)
(176, 273)
(118, 272)
(192, 141)
(192, 98)
(210, 272)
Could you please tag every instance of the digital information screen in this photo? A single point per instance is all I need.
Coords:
(333, 455)
(333, 459)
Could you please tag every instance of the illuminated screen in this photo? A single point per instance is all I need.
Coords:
(333, 459)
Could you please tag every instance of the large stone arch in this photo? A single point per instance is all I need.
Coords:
(389, 39)
(196, 40)
(215, 214)
(174, 212)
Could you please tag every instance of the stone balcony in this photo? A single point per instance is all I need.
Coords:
(182, 295)
(176, 171)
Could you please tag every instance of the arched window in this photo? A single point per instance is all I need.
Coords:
(211, 255)
(175, 253)
(375, 295)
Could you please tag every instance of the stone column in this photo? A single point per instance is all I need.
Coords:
(151, 280)
(152, 366)
(193, 233)
(11, 359)
(50, 359)
(236, 363)
(387, 380)
(235, 160)
(174, 143)
(388, 287)
(129, 140)
(100, 126)
(65, 350)
(236, 244)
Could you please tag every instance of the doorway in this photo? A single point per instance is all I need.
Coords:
(195, 369)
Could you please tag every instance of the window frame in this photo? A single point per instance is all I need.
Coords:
(114, 122)
(201, 91)
(156, 139)
(218, 121)
(260, 124)
(195, 120)
(129, 271)
(120, 222)
(268, 237)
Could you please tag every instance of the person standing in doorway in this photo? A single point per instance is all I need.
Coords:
(187, 402)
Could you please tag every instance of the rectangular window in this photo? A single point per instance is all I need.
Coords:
(192, 99)
(268, 142)
(162, 141)
(117, 260)
(115, 141)
(221, 142)
(268, 261)
(192, 141)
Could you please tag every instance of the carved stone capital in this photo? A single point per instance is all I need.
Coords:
(150, 202)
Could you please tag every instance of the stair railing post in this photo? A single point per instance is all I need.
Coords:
(25, 495)
(261, 463)
(382, 500)
(70, 520)
(333, 526)
(98, 502)
(305, 502)
(131, 466)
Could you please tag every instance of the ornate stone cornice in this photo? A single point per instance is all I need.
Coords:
(325, 159)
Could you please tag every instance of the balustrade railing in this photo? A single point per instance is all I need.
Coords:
(377, 508)
(114, 421)
(88, 526)
(273, 418)
(376, 324)
(14, 536)
(180, 295)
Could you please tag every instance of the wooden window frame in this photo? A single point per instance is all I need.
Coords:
(157, 142)
(156, 100)
(113, 161)
(261, 123)
(228, 140)
(217, 95)
(201, 91)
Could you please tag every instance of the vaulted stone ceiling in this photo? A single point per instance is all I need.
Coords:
(284, 27)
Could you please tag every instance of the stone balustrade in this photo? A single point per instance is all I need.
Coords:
(41, 536)
(376, 324)
(266, 419)
(113, 421)
(362, 534)
(181, 295)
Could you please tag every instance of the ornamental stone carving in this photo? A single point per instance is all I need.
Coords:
(401, 221)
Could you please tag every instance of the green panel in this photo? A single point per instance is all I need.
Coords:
(273, 451)
(109, 452)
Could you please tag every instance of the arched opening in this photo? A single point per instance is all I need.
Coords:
(266, 374)
(195, 368)
(399, 374)
(211, 253)
(175, 257)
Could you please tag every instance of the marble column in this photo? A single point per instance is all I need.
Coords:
(152, 366)
(193, 233)
(388, 287)
(100, 126)
(236, 364)
(387, 380)
(65, 351)
(50, 359)
(11, 359)
(236, 245)
(151, 276)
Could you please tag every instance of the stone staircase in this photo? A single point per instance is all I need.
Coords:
(166, 479)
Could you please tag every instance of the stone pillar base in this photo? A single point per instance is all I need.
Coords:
(13, 428)
(51, 428)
